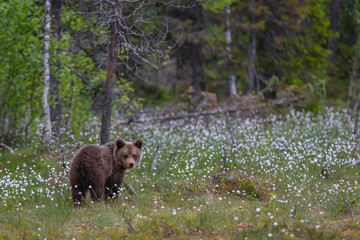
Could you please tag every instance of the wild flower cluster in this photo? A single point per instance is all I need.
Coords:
(290, 152)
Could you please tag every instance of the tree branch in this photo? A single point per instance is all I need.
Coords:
(227, 122)
(153, 166)
(129, 1)
(224, 157)
(171, 155)
(7, 147)
(129, 188)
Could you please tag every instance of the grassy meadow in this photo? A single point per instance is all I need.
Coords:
(286, 177)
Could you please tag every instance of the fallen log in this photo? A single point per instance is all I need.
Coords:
(237, 108)
(187, 115)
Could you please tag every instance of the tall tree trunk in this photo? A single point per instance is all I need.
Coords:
(195, 62)
(179, 71)
(45, 95)
(251, 53)
(232, 82)
(357, 93)
(334, 26)
(109, 88)
(353, 74)
(356, 127)
(195, 59)
(56, 109)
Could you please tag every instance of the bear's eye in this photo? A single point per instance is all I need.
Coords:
(134, 156)
(125, 156)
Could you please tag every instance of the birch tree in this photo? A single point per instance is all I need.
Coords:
(232, 82)
(223, 9)
(45, 95)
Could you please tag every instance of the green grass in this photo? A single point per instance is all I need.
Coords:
(272, 189)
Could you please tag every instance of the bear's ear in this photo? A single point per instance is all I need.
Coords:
(120, 143)
(138, 143)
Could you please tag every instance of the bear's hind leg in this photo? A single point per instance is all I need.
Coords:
(97, 191)
(78, 194)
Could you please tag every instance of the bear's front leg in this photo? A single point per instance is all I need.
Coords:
(113, 184)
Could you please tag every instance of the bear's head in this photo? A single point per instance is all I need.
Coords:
(128, 153)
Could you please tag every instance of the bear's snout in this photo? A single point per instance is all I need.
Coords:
(131, 165)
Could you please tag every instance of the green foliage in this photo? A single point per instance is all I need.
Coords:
(77, 73)
(309, 55)
(125, 102)
(301, 49)
(20, 65)
(341, 70)
(216, 6)
(291, 42)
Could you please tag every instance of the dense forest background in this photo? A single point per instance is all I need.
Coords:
(171, 56)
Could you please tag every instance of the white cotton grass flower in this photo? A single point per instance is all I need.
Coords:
(288, 148)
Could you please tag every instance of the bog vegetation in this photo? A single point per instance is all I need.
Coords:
(286, 177)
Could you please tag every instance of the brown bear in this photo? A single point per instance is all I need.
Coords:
(101, 169)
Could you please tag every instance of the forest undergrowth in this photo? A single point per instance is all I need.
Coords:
(278, 177)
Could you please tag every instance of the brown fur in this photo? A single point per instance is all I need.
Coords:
(101, 169)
